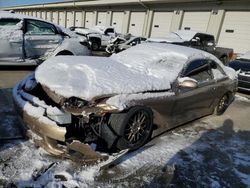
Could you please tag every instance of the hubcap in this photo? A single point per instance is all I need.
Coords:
(223, 102)
(136, 128)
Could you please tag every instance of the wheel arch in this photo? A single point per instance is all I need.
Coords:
(64, 52)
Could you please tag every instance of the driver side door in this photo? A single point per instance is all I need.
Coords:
(193, 103)
(40, 38)
(11, 40)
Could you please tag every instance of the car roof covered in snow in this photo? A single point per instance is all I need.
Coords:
(187, 35)
(179, 36)
(147, 53)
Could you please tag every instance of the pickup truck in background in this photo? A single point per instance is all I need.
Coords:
(199, 40)
(98, 36)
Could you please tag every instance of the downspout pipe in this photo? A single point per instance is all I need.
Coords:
(142, 4)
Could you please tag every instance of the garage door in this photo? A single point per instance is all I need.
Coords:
(235, 32)
(70, 19)
(78, 19)
(49, 16)
(136, 23)
(117, 21)
(62, 19)
(55, 17)
(38, 14)
(161, 24)
(43, 15)
(89, 21)
(197, 21)
(102, 18)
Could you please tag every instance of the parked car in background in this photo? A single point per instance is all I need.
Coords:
(199, 40)
(28, 40)
(99, 36)
(119, 44)
(242, 65)
(119, 101)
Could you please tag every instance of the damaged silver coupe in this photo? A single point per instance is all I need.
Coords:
(71, 104)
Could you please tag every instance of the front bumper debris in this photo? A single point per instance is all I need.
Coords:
(45, 132)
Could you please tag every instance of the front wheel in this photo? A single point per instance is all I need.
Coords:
(95, 46)
(135, 128)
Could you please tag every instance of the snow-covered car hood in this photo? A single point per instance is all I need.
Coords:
(89, 77)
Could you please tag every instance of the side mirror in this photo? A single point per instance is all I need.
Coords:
(210, 44)
(187, 82)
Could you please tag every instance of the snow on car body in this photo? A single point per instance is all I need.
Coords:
(26, 39)
(99, 36)
(118, 99)
(198, 40)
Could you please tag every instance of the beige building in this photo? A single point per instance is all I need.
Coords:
(228, 20)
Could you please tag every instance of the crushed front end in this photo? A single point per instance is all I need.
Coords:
(71, 128)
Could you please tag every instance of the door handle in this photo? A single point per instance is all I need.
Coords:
(14, 41)
(53, 41)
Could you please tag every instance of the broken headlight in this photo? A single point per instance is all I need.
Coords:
(74, 102)
(107, 107)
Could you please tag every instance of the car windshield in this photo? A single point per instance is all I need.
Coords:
(9, 21)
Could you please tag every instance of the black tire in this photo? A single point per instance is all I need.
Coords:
(134, 127)
(95, 45)
(222, 104)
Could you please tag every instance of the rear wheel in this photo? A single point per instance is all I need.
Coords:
(135, 128)
(222, 104)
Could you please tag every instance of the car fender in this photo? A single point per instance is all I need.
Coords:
(72, 45)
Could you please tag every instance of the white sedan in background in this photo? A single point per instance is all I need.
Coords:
(28, 40)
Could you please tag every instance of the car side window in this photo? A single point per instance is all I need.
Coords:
(199, 70)
(109, 30)
(217, 71)
(9, 21)
(35, 27)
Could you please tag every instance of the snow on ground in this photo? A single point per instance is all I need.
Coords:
(204, 153)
